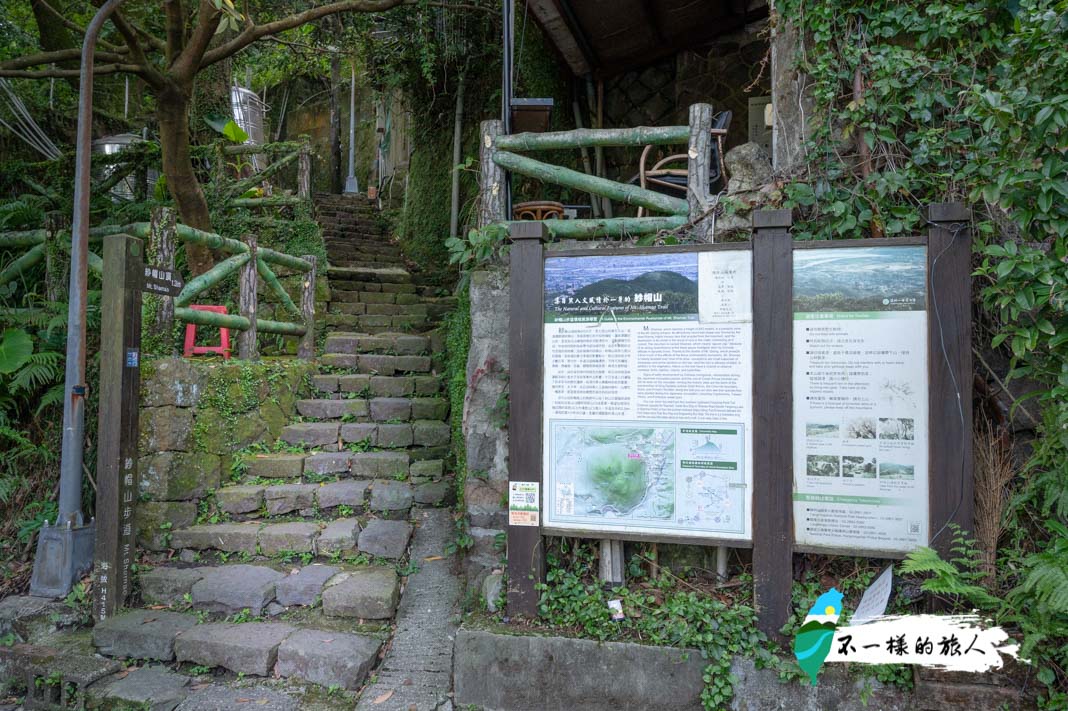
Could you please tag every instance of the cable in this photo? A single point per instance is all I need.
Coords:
(955, 229)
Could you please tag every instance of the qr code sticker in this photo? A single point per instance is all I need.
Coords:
(914, 528)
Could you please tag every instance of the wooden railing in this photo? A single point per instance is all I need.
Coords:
(500, 152)
(283, 154)
(251, 261)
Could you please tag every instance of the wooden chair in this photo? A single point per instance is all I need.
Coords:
(538, 210)
(673, 181)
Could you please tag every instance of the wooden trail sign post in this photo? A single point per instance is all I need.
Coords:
(776, 395)
(120, 384)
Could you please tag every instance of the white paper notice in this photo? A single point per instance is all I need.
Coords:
(725, 281)
(860, 398)
(873, 603)
(648, 411)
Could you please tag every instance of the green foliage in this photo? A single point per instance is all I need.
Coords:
(958, 578)
(963, 101)
(457, 328)
(663, 611)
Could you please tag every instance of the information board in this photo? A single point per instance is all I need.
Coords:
(648, 394)
(860, 398)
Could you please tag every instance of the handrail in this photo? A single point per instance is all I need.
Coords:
(498, 153)
(164, 229)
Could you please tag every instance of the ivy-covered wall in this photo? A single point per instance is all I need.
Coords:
(196, 418)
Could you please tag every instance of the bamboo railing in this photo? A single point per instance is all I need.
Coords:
(500, 152)
(253, 263)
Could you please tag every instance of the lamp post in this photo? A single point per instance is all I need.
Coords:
(65, 549)
(351, 184)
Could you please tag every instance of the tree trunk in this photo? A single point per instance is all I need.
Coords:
(173, 115)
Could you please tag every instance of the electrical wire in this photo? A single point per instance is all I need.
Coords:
(955, 229)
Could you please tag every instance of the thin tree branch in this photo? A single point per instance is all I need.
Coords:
(129, 33)
(186, 65)
(71, 25)
(175, 13)
(59, 55)
(73, 73)
(251, 33)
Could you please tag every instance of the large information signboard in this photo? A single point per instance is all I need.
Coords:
(860, 398)
(648, 394)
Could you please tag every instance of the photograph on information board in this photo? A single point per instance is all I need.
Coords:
(648, 394)
(860, 398)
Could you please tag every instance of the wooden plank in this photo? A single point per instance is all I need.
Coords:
(646, 537)
(949, 368)
(117, 438)
(699, 159)
(248, 303)
(526, 555)
(306, 349)
(491, 187)
(772, 418)
(668, 249)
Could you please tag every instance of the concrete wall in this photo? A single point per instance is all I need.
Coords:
(512, 672)
(195, 415)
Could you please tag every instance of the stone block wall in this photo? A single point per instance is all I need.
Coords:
(195, 415)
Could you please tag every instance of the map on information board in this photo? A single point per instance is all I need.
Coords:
(647, 390)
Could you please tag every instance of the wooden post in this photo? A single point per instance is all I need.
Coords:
(306, 349)
(772, 418)
(699, 160)
(56, 261)
(248, 303)
(120, 383)
(304, 170)
(491, 191)
(161, 246)
(526, 556)
(610, 565)
(949, 359)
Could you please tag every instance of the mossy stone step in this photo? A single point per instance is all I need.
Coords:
(418, 312)
(376, 323)
(378, 364)
(387, 343)
(378, 385)
(389, 288)
(392, 275)
(269, 538)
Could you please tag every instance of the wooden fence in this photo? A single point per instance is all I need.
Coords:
(501, 152)
(250, 261)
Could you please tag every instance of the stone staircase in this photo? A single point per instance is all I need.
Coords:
(296, 567)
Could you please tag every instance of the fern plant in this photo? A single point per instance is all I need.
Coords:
(958, 578)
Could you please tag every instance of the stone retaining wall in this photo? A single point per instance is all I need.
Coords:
(509, 672)
(195, 415)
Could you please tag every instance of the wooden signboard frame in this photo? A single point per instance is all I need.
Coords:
(117, 445)
(950, 494)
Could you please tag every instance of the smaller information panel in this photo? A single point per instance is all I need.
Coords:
(860, 398)
(648, 391)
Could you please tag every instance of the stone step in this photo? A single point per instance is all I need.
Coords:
(246, 502)
(378, 364)
(392, 275)
(330, 658)
(384, 537)
(420, 461)
(378, 385)
(358, 308)
(365, 287)
(388, 343)
(378, 323)
(375, 410)
(363, 262)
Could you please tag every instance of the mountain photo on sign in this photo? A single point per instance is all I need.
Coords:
(640, 287)
(860, 279)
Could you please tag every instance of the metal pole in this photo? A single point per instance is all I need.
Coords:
(351, 184)
(70, 478)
